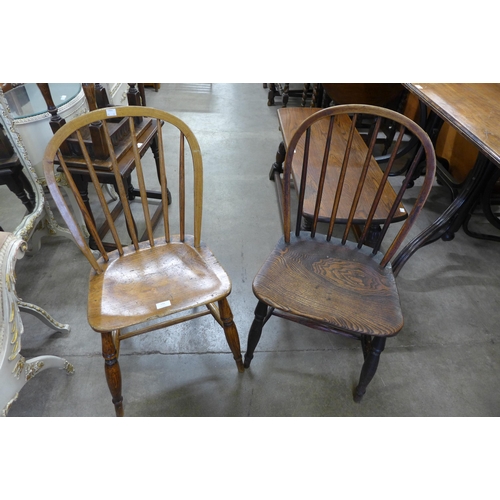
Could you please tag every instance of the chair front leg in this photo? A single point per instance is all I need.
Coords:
(255, 331)
(370, 366)
(231, 332)
(112, 370)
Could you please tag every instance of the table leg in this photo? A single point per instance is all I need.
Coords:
(43, 316)
(485, 204)
(450, 221)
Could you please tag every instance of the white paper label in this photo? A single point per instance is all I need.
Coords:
(110, 112)
(161, 305)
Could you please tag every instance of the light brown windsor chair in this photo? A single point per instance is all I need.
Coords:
(325, 281)
(170, 276)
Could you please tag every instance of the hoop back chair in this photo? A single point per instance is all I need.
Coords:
(94, 139)
(319, 277)
(169, 278)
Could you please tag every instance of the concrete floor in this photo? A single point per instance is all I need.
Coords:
(445, 362)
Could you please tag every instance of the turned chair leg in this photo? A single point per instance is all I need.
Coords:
(255, 331)
(277, 166)
(231, 332)
(112, 370)
(284, 97)
(272, 92)
(372, 357)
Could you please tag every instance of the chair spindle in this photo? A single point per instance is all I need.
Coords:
(340, 183)
(121, 191)
(182, 188)
(380, 190)
(163, 182)
(321, 184)
(142, 184)
(81, 204)
(362, 178)
(302, 191)
(409, 220)
(104, 205)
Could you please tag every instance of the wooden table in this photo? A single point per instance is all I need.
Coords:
(474, 110)
(289, 121)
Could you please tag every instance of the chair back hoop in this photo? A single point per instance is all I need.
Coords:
(132, 114)
(425, 153)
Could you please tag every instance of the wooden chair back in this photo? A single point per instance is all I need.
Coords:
(178, 148)
(341, 151)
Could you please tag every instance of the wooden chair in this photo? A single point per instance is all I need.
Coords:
(157, 278)
(389, 96)
(12, 174)
(94, 137)
(386, 95)
(325, 281)
(290, 120)
(284, 90)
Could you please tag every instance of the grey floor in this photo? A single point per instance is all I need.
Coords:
(445, 362)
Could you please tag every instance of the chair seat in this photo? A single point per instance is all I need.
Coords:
(339, 286)
(152, 283)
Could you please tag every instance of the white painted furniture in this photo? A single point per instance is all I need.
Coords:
(15, 370)
(117, 93)
(28, 111)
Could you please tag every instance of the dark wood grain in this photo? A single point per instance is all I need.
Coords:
(330, 283)
(356, 294)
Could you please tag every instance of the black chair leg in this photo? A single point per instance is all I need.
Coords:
(255, 331)
(376, 346)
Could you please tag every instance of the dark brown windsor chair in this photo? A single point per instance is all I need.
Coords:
(146, 280)
(325, 281)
